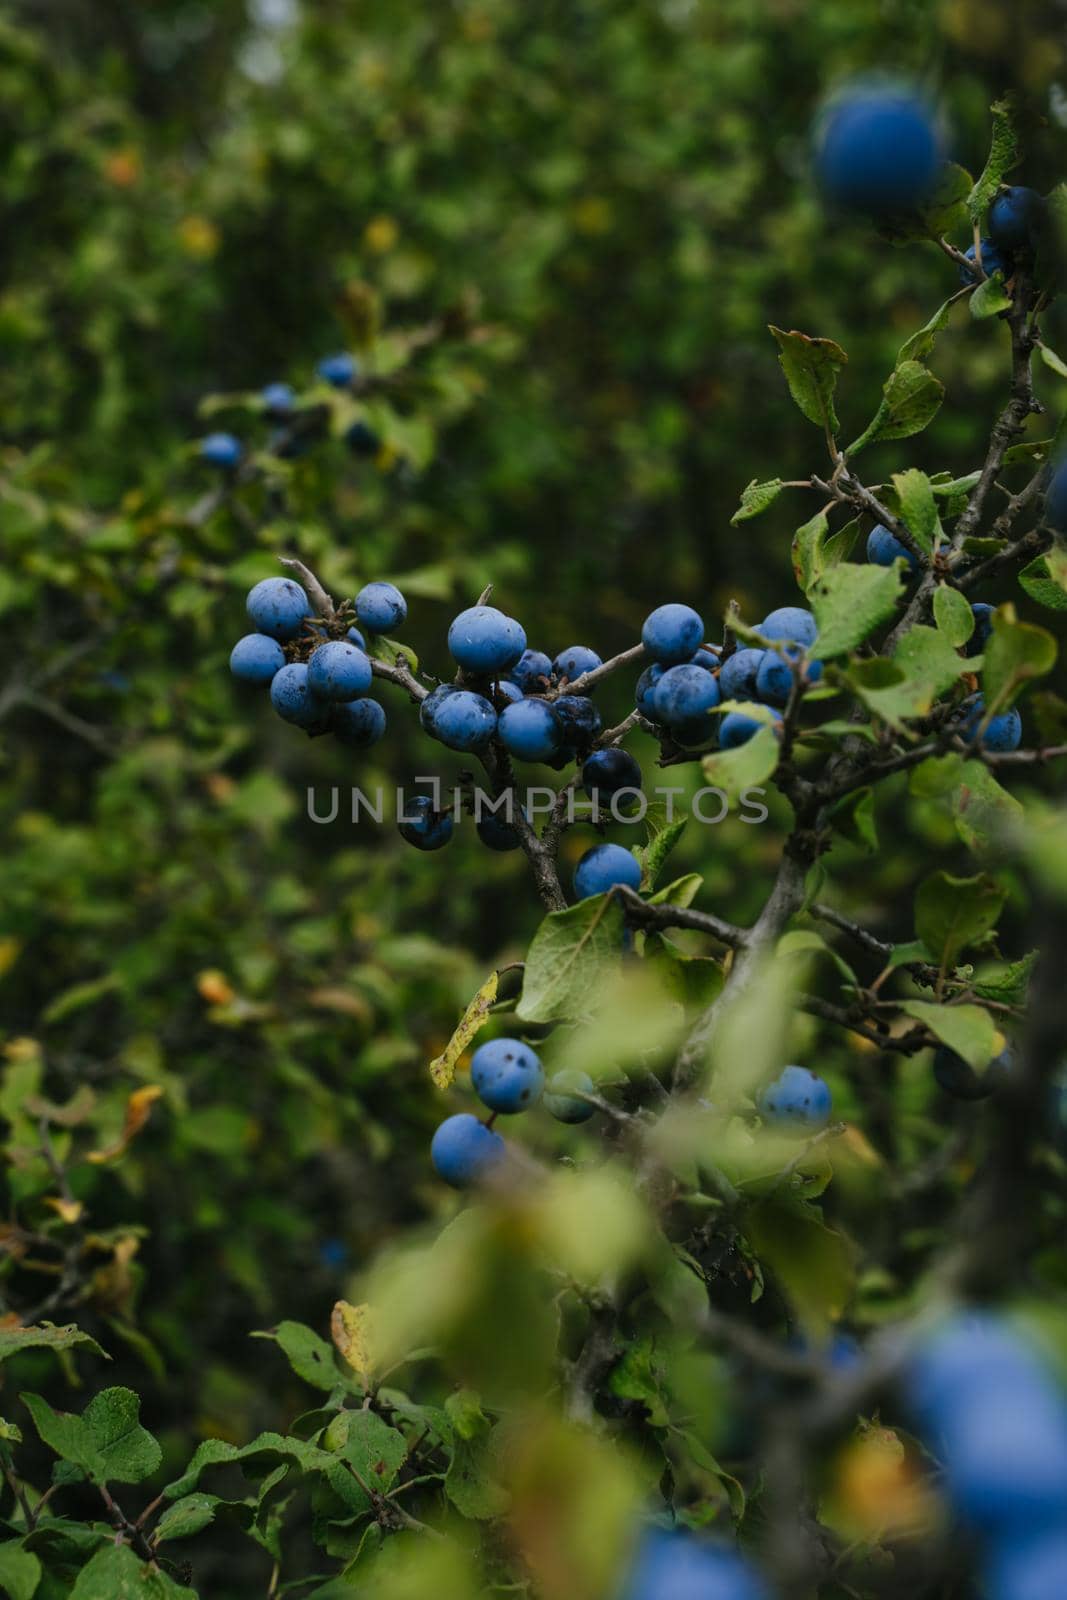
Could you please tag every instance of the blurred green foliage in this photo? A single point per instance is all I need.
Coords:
(559, 234)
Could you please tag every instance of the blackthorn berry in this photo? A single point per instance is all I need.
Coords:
(464, 1150)
(381, 607)
(278, 606)
(507, 1076)
(256, 658)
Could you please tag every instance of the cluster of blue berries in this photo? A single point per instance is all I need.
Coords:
(679, 692)
(295, 420)
(507, 1077)
(991, 1411)
(317, 683)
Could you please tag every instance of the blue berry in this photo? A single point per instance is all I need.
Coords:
(507, 1076)
(983, 627)
(483, 640)
(358, 724)
(496, 832)
(645, 692)
(1004, 1455)
(464, 1150)
(736, 728)
(530, 730)
(575, 661)
(355, 637)
(684, 697)
(1028, 1564)
(969, 1356)
(707, 657)
(464, 720)
(789, 625)
(504, 690)
(381, 607)
(278, 606)
(673, 1565)
(992, 261)
(798, 1098)
(532, 671)
(580, 719)
(428, 708)
(608, 772)
(256, 658)
(880, 151)
(1056, 499)
(362, 440)
(1002, 733)
(604, 866)
(221, 450)
(774, 680)
(883, 549)
(339, 671)
(672, 633)
(278, 399)
(959, 1079)
(1015, 218)
(293, 700)
(338, 369)
(422, 825)
(737, 675)
(562, 1097)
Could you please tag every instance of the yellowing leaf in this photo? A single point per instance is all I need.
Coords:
(138, 1110)
(350, 1332)
(214, 987)
(69, 1210)
(443, 1067)
(9, 953)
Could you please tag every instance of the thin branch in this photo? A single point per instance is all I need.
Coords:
(648, 916)
(589, 680)
(319, 598)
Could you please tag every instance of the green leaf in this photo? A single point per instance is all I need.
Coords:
(679, 892)
(968, 1030)
(815, 549)
(371, 1446)
(1045, 580)
(954, 913)
(128, 1452)
(570, 955)
(208, 1453)
(471, 1483)
(693, 981)
(635, 1377)
(921, 344)
(936, 776)
(443, 1067)
(849, 602)
(1015, 653)
(911, 399)
(46, 1336)
(930, 663)
(987, 816)
(115, 1573)
(662, 838)
(990, 298)
(812, 1263)
(186, 1517)
(853, 818)
(310, 1357)
(811, 368)
(20, 1571)
(749, 766)
(806, 941)
(918, 507)
(953, 615)
(66, 1434)
(1054, 362)
(756, 498)
(1009, 984)
(1003, 155)
(80, 995)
